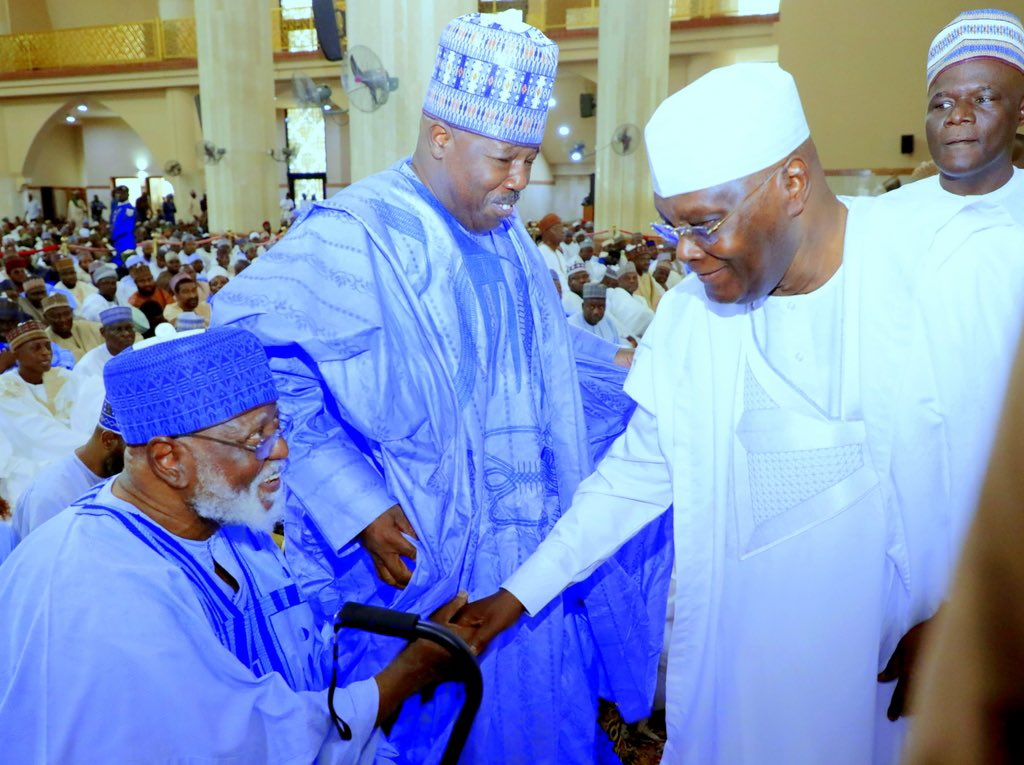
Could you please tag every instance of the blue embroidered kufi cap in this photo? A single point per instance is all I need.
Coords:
(493, 77)
(983, 33)
(118, 314)
(191, 381)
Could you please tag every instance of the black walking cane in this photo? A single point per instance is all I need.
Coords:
(384, 621)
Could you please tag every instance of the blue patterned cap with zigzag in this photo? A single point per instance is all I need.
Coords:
(984, 33)
(187, 383)
(493, 77)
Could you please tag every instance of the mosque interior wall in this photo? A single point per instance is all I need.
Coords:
(56, 157)
(860, 68)
(44, 15)
(112, 149)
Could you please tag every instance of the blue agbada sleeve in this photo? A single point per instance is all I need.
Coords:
(606, 407)
(330, 464)
(313, 302)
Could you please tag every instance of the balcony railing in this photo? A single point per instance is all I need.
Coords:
(135, 43)
(583, 14)
(291, 30)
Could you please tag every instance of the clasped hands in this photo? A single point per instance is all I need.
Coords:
(478, 623)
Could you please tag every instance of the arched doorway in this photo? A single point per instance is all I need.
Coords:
(81, 149)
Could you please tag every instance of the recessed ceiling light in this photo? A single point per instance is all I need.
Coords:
(327, 107)
(82, 108)
(563, 130)
(70, 119)
(552, 102)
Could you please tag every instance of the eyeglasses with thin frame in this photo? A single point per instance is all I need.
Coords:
(706, 236)
(262, 450)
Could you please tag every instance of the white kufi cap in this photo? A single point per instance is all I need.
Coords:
(728, 124)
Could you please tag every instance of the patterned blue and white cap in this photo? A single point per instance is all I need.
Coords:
(117, 314)
(983, 33)
(192, 381)
(188, 320)
(493, 77)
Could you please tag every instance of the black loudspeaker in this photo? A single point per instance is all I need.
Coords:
(199, 111)
(906, 144)
(326, 20)
(587, 104)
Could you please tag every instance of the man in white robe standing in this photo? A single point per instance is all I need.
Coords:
(552, 232)
(768, 397)
(961, 233)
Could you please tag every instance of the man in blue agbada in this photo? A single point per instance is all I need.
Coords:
(433, 388)
(155, 620)
(122, 223)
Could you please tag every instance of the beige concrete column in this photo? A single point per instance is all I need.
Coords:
(11, 203)
(183, 130)
(404, 35)
(632, 79)
(236, 88)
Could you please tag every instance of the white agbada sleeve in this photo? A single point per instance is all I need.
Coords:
(31, 427)
(630, 488)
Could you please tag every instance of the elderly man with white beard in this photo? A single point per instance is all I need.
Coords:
(155, 618)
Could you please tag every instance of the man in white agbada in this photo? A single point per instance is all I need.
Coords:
(104, 278)
(77, 290)
(630, 312)
(34, 406)
(970, 309)
(62, 482)
(591, 315)
(576, 277)
(552, 231)
(85, 387)
(768, 395)
(155, 619)
(33, 209)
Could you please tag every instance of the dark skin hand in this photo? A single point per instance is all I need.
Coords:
(384, 541)
(420, 664)
(488, 618)
(5, 509)
(902, 667)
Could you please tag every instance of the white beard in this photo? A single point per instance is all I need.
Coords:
(218, 502)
